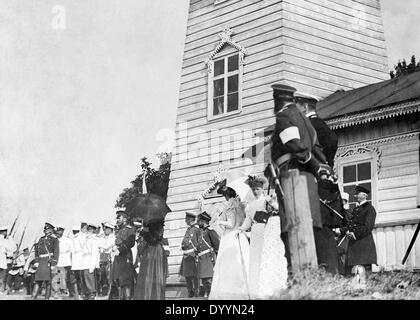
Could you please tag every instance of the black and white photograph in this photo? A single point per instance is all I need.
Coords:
(201, 151)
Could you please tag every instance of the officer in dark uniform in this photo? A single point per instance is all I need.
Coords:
(326, 137)
(190, 259)
(122, 267)
(361, 250)
(208, 246)
(295, 146)
(47, 251)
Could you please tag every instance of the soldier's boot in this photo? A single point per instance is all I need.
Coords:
(35, 291)
(47, 290)
(75, 291)
(127, 293)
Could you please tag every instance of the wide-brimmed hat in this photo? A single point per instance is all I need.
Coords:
(256, 181)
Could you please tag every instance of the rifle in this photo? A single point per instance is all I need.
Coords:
(13, 227)
(20, 244)
(330, 208)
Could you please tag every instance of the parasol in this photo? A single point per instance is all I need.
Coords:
(149, 207)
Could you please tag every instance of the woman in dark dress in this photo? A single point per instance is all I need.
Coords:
(153, 255)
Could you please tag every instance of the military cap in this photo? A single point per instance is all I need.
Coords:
(59, 229)
(4, 228)
(121, 213)
(190, 215)
(109, 225)
(204, 216)
(93, 225)
(48, 226)
(281, 91)
(305, 97)
(360, 189)
(137, 224)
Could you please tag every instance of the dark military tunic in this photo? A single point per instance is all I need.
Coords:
(208, 246)
(326, 137)
(189, 247)
(301, 146)
(298, 147)
(47, 251)
(362, 251)
(122, 268)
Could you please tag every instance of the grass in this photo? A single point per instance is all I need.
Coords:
(312, 284)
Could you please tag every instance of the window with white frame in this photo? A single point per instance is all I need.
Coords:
(357, 174)
(225, 86)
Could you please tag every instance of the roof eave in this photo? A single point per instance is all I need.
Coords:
(376, 114)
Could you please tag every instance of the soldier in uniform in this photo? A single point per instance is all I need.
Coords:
(47, 251)
(326, 137)
(328, 188)
(295, 146)
(7, 247)
(361, 252)
(208, 246)
(106, 243)
(122, 271)
(90, 251)
(189, 259)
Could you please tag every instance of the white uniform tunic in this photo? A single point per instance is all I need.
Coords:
(64, 259)
(76, 252)
(7, 248)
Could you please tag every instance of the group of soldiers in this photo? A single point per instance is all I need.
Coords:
(93, 261)
(200, 246)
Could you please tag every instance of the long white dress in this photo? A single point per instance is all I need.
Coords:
(273, 265)
(256, 243)
(230, 279)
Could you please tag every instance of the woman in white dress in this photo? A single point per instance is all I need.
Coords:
(231, 269)
(257, 185)
(267, 264)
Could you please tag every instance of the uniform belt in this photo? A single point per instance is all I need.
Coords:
(283, 159)
(46, 255)
(204, 252)
(188, 251)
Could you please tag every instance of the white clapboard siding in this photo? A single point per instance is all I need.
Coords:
(318, 46)
(392, 244)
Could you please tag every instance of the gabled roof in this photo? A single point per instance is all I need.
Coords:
(388, 98)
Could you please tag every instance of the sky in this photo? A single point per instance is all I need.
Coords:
(83, 99)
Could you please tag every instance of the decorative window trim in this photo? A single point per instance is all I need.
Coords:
(358, 154)
(225, 39)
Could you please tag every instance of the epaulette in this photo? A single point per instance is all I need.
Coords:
(53, 236)
(210, 228)
(129, 227)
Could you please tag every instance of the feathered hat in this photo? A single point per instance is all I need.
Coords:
(256, 181)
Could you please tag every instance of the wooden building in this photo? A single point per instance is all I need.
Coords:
(234, 51)
(378, 128)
